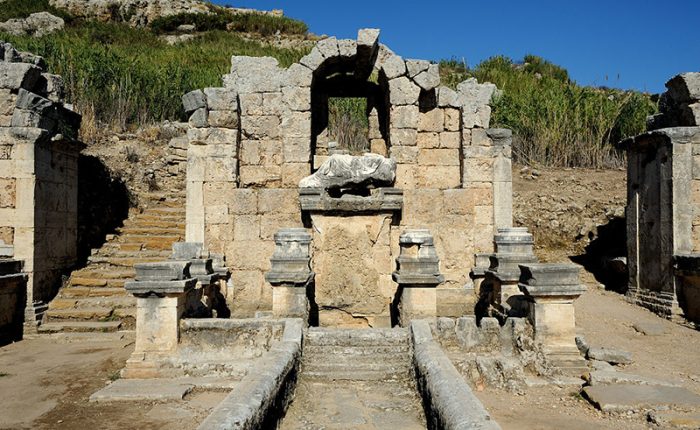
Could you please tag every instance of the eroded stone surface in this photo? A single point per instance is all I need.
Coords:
(342, 170)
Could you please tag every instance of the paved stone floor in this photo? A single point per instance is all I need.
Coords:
(355, 405)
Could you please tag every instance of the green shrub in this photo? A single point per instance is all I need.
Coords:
(124, 77)
(555, 121)
(348, 123)
(222, 19)
(10, 9)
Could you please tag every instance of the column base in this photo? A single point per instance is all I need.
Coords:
(417, 303)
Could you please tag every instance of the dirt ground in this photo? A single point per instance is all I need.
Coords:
(604, 319)
(45, 383)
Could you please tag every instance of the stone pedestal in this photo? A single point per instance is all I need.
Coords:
(161, 291)
(290, 274)
(418, 274)
(514, 246)
(552, 289)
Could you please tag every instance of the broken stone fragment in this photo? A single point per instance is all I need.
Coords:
(194, 100)
(368, 36)
(350, 171)
(612, 356)
(428, 79)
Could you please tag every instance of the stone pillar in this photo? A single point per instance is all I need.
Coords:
(161, 291)
(418, 275)
(290, 274)
(552, 289)
(514, 246)
(502, 177)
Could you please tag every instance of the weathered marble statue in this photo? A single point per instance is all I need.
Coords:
(352, 171)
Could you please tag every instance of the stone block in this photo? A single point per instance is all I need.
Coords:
(347, 47)
(328, 47)
(402, 91)
(313, 59)
(223, 119)
(428, 140)
(194, 100)
(432, 120)
(246, 227)
(438, 157)
(417, 303)
(251, 104)
(297, 98)
(293, 173)
(450, 139)
(216, 214)
(260, 126)
(477, 170)
(428, 79)
(459, 201)
(404, 116)
(296, 149)
(280, 200)
(261, 152)
(378, 146)
(221, 99)
(368, 36)
(8, 193)
(270, 223)
(449, 98)
(403, 137)
(254, 74)
(199, 118)
(244, 201)
(297, 124)
(272, 103)
(452, 119)
(440, 177)
(14, 76)
(393, 66)
(142, 390)
(414, 67)
(405, 178)
(250, 255)
(221, 169)
(260, 176)
(298, 75)
(405, 154)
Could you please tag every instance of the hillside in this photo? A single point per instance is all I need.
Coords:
(128, 68)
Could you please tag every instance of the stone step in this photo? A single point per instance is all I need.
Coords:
(159, 211)
(141, 230)
(98, 313)
(352, 375)
(147, 253)
(80, 326)
(154, 242)
(104, 273)
(334, 364)
(145, 223)
(98, 283)
(159, 218)
(112, 302)
(76, 292)
(123, 261)
(339, 350)
(356, 337)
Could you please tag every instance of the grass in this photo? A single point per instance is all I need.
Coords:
(223, 19)
(555, 121)
(124, 77)
(348, 123)
(23, 8)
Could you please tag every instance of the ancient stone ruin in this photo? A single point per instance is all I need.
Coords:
(393, 272)
(259, 161)
(663, 219)
(38, 177)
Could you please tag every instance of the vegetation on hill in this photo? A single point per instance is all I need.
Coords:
(555, 121)
(122, 77)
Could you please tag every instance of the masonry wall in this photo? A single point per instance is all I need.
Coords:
(38, 174)
(251, 142)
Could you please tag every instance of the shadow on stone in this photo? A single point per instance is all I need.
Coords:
(606, 256)
(103, 204)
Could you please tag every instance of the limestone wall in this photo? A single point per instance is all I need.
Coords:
(254, 139)
(38, 173)
(663, 200)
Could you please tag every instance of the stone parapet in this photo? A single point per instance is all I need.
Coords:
(552, 290)
(378, 200)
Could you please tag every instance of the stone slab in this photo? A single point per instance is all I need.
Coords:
(623, 397)
(607, 377)
(143, 390)
(613, 356)
(649, 328)
(676, 420)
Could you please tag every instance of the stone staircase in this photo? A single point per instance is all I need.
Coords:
(94, 298)
(358, 355)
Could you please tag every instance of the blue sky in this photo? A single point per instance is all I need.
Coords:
(631, 44)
